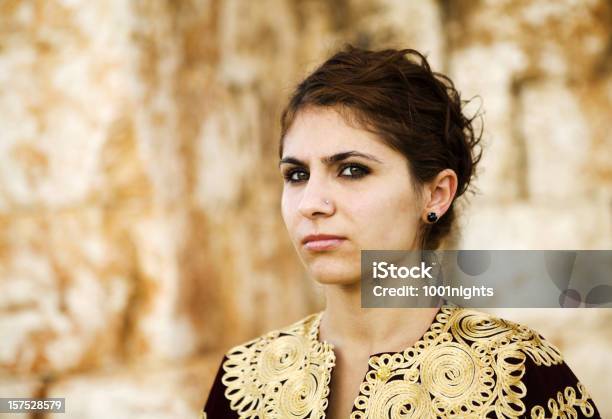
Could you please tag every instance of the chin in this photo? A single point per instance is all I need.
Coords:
(334, 273)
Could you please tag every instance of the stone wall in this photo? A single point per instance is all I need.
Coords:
(140, 231)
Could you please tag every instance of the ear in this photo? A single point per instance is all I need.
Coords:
(440, 193)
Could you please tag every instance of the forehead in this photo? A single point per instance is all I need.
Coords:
(317, 132)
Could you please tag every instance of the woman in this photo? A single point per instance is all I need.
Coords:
(374, 152)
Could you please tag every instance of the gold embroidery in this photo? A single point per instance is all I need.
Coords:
(469, 364)
(283, 374)
(563, 407)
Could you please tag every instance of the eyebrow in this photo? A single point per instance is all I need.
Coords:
(329, 160)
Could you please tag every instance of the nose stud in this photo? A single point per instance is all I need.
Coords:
(326, 202)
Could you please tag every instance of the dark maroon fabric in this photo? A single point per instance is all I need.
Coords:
(543, 383)
(217, 406)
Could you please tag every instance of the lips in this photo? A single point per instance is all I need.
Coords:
(319, 242)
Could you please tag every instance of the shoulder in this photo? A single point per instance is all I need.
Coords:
(522, 363)
(291, 355)
(298, 334)
(489, 335)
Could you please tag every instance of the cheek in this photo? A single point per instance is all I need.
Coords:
(383, 207)
(387, 215)
(288, 210)
(284, 209)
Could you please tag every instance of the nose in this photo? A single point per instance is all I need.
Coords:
(316, 200)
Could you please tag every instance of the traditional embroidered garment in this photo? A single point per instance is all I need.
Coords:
(467, 365)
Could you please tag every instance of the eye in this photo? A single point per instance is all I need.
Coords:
(354, 171)
(295, 175)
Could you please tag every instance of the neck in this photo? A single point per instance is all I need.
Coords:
(348, 326)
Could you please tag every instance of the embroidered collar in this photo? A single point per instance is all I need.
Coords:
(467, 364)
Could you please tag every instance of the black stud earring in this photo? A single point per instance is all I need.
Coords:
(432, 217)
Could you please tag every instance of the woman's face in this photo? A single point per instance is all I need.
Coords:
(371, 202)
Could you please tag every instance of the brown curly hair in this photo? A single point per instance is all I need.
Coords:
(396, 95)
